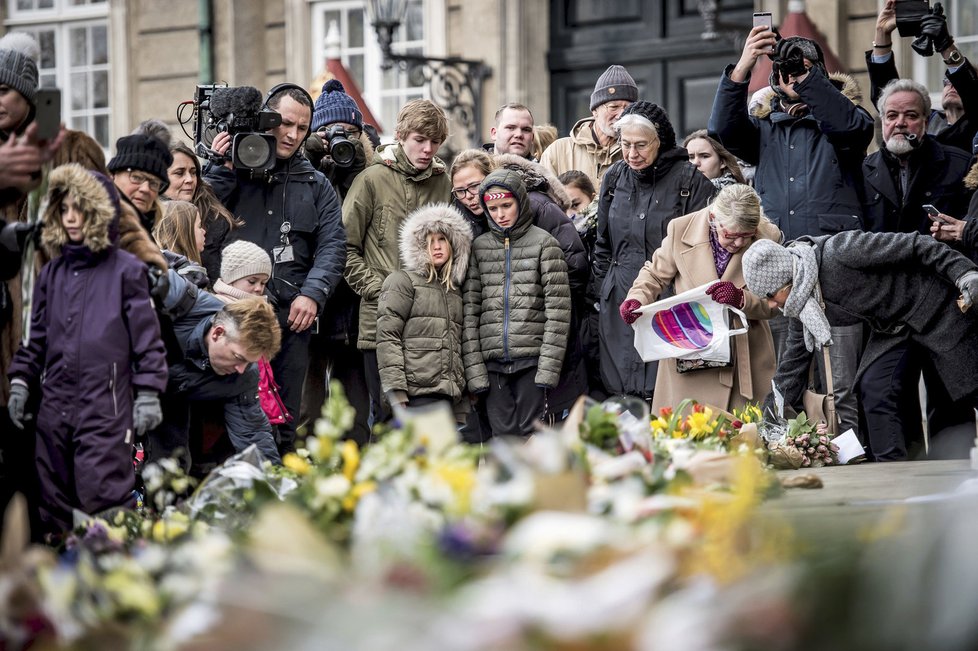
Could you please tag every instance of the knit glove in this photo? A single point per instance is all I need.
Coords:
(17, 403)
(727, 293)
(146, 412)
(627, 311)
(968, 284)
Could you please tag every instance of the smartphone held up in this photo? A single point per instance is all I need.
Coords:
(48, 115)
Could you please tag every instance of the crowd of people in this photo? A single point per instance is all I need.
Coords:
(189, 308)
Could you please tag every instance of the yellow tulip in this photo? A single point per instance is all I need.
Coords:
(296, 464)
(351, 459)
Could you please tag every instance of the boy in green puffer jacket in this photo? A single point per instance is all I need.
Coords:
(517, 309)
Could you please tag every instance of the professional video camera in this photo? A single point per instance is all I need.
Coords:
(239, 111)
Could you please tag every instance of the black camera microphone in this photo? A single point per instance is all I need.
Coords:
(914, 141)
(236, 100)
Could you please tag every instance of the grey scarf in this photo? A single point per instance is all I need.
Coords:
(805, 297)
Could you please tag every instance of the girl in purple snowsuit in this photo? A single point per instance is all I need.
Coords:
(94, 353)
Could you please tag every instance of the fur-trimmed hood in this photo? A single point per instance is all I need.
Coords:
(971, 179)
(536, 177)
(436, 218)
(763, 102)
(97, 198)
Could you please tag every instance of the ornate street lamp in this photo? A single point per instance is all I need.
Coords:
(455, 84)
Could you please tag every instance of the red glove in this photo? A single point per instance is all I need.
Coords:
(627, 311)
(727, 293)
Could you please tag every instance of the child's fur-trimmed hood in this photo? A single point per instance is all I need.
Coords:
(436, 218)
(98, 200)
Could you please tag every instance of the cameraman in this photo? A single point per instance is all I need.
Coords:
(813, 134)
(333, 354)
(955, 125)
(294, 214)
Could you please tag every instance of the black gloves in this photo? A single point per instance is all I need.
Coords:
(933, 33)
(789, 60)
(159, 284)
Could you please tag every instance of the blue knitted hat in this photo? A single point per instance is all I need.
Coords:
(334, 105)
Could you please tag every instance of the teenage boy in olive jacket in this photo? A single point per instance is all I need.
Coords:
(403, 177)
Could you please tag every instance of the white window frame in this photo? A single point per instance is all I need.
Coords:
(61, 18)
(376, 88)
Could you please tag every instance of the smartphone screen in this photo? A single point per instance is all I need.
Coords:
(764, 18)
(48, 116)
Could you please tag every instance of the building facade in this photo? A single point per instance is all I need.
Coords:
(119, 62)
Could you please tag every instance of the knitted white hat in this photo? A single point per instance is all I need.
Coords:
(242, 259)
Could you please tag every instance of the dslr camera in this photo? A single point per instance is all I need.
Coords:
(341, 148)
(239, 111)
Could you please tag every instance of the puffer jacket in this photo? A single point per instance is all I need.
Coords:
(580, 151)
(419, 321)
(809, 169)
(375, 207)
(549, 203)
(517, 297)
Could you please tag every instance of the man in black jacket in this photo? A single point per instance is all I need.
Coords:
(813, 135)
(294, 214)
(912, 168)
(956, 125)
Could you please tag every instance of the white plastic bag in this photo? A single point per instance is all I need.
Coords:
(690, 325)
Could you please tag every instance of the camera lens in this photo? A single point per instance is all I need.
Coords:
(252, 150)
(342, 151)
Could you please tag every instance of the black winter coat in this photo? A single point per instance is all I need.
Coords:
(634, 210)
(936, 177)
(293, 192)
(809, 169)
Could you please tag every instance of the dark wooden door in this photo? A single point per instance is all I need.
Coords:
(658, 41)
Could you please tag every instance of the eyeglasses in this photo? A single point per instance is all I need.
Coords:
(736, 236)
(471, 188)
(637, 146)
(138, 178)
(614, 107)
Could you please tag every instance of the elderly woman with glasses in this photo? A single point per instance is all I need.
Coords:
(640, 195)
(139, 170)
(702, 247)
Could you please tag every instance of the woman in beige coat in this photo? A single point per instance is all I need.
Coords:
(701, 247)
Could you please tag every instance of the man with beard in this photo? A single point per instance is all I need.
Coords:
(913, 168)
(592, 146)
(955, 125)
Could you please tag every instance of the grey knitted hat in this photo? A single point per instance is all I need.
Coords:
(242, 259)
(19, 53)
(614, 84)
(768, 267)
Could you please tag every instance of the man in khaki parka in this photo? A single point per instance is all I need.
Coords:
(592, 146)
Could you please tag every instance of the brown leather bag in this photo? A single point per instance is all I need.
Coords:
(820, 407)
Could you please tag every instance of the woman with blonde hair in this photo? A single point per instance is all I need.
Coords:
(713, 160)
(703, 247)
(467, 171)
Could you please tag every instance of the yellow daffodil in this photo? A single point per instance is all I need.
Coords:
(358, 491)
(660, 425)
(701, 424)
(296, 464)
(351, 459)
